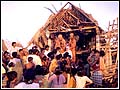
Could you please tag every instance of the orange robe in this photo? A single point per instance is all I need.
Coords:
(72, 44)
(61, 44)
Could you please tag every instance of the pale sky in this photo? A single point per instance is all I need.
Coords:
(21, 19)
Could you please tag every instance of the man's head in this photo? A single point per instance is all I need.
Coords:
(14, 54)
(97, 68)
(21, 51)
(97, 53)
(71, 35)
(14, 44)
(6, 54)
(30, 59)
(47, 47)
(60, 37)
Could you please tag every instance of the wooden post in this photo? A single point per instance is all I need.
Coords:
(97, 39)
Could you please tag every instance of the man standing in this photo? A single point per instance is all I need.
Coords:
(14, 48)
(60, 42)
(97, 77)
(72, 44)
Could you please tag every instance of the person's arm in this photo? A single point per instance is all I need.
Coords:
(88, 59)
(74, 45)
(88, 80)
(95, 61)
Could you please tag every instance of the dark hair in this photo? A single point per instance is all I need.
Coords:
(46, 46)
(14, 54)
(69, 56)
(44, 58)
(51, 55)
(20, 50)
(29, 76)
(58, 56)
(30, 51)
(38, 70)
(96, 51)
(81, 73)
(11, 64)
(30, 59)
(65, 55)
(6, 52)
(57, 71)
(57, 48)
(66, 69)
(54, 51)
(11, 75)
(13, 43)
(73, 71)
(35, 51)
(102, 53)
(34, 47)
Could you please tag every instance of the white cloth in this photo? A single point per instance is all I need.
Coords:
(15, 60)
(12, 49)
(81, 81)
(46, 52)
(24, 85)
(36, 59)
(70, 52)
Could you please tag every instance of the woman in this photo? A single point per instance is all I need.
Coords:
(72, 80)
(57, 80)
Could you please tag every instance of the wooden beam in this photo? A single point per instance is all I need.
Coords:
(73, 15)
(88, 27)
(52, 29)
(65, 23)
(88, 22)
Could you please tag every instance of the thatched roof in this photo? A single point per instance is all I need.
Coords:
(70, 19)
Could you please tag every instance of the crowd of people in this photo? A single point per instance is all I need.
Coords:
(57, 68)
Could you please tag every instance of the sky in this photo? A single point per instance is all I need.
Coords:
(20, 20)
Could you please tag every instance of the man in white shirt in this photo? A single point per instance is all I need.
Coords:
(14, 48)
(81, 80)
(36, 58)
(69, 51)
(46, 50)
